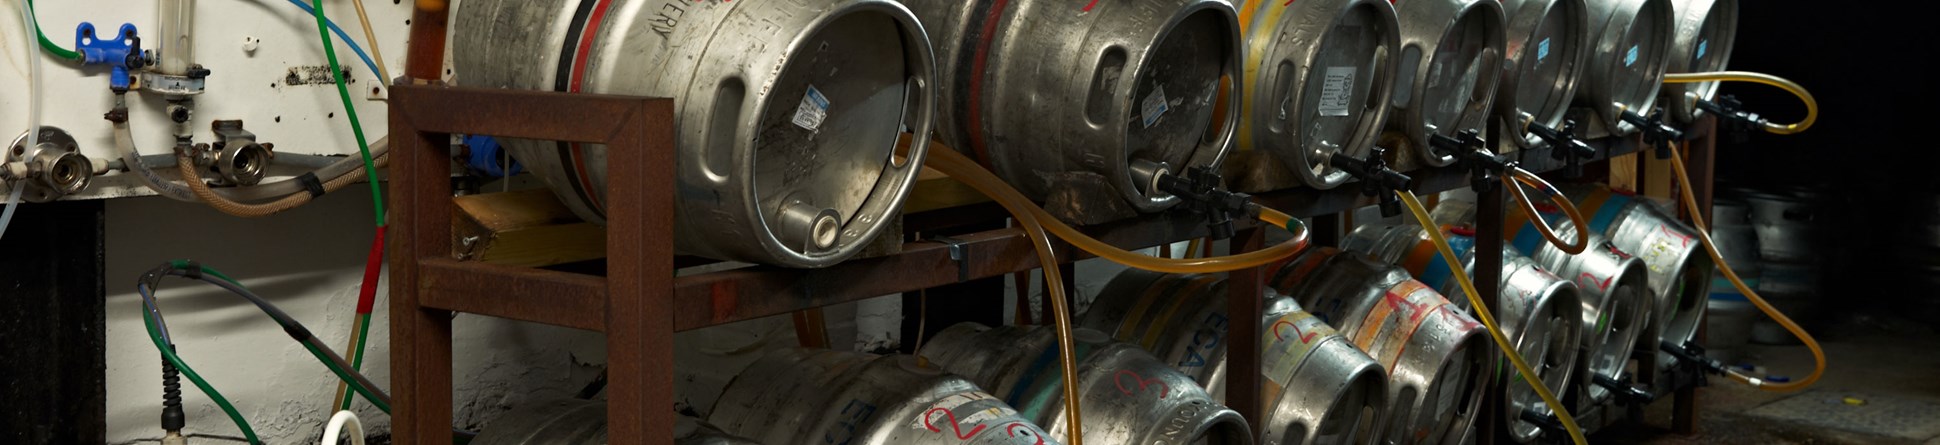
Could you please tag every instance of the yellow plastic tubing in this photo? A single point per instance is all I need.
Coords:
(1811, 105)
(1555, 197)
(1488, 319)
(963, 169)
(1704, 234)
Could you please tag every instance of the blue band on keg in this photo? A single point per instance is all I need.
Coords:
(1600, 222)
(1436, 274)
(1528, 239)
(1041, 394)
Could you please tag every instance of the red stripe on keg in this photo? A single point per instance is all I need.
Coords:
(1094, 3)
(977, 65)
(580, 56)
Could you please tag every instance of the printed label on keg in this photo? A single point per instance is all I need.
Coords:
(813, 110)
(1542, 50)
(1338, 91)
(1703, 46)
(1154, 106)
(1630, 57)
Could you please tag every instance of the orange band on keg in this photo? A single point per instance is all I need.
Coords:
(1127, 329)
(1417, 260)
(1304, 266)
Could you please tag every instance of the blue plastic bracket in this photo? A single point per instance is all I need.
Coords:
(113, 50)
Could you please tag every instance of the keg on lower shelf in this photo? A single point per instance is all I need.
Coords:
(1784, 223)
(1435, 353)
(785, 124)
(1451, 61)
(1736, 241)
(1678, 267)
(1086, 104)
(1728, 322)
(1626, 70)
(1540, 313)
(582, 422)
(1793, 289)
(1617, 299)
(1548, 40)
(1706, 32)
(1317, 81)
(1128, 395)
(1319, 389)
(840, 397)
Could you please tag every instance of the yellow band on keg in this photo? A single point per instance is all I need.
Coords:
(1257, 37)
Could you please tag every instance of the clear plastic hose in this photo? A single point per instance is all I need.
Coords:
(1555, 197)
(33, 116)
(1811, 105)
(963, 169)
(1488, 319)
(1704, 234)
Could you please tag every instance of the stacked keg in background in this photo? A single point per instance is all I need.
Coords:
(1787, 224)
(1728, 325)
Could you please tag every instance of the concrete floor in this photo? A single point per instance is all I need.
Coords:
(1891, 367)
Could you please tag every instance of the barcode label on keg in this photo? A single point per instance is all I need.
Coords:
(1338, 91)
(1542, 50)
(1154, 106)
(813, 110)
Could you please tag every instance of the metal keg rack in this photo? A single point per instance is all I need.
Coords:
(639, 303)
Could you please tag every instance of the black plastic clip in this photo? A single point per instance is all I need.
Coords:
(1377, 180)
(960, 253)
(1200, 190)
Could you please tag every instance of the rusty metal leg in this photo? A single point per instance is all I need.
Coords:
(1488, 286)
(640, 324)
(420, 338)
(1245, 300)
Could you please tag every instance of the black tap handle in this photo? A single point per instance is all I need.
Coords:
(1376, 179)
(1199, 189)
(1625, 394)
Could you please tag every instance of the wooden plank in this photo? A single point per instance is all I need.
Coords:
(518, 293)
(1623, 172)
(523, 228)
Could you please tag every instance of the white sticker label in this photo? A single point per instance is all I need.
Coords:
(1542, 49)
(813, 110)
(1338, 91)
(1154, 106)
(1630, 58)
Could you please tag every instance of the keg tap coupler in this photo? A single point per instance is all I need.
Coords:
(1564, 146)
(1200, 191)
(1655, 131)
(1377, 180)
(1469, 152)
(1732, 117)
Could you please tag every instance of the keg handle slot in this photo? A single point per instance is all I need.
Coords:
(1564, 146)
(1377, 180)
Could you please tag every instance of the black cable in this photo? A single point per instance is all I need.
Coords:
(295, 328)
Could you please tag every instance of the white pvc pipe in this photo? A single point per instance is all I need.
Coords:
(344, 420)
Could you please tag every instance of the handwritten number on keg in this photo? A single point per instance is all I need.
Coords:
(1120, 378)
(955, 428)
(1590, 280)
(857, 411)
(1684, 240)
(1019, 429)
(1305, 337)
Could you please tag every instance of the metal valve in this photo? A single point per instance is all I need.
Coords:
(236, 156)
(1377, 180)
(52, 168)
